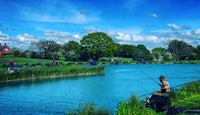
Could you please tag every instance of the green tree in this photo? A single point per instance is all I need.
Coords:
(98, 45)
(158, 54)
(126, 51)
(15, 52)
(197, 52)
(48, 49)
(142, 53)
(181, 49)
(26, 53)
(72, 51)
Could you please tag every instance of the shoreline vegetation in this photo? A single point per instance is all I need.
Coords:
(187, 97)
(33, 69)
(49, 72)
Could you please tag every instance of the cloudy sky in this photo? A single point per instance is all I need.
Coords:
(150, 22)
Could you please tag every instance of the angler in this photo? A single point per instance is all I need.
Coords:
(160, 101)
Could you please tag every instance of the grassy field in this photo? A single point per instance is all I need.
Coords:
(43, 68)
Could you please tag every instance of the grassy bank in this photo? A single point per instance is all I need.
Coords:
(187, 97)
(43, 68)
(49, 72)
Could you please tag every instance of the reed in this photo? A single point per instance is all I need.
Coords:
(88, 109)
(48, 72)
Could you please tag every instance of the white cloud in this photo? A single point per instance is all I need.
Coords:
(62, 37)
(79, 18)
(56, 34)
(77, 36)
(177, 27)
(4, 37)
(66, 13)
(26, 38)
(91, 29)
(197, 32)
(174, 26)
(154, 15)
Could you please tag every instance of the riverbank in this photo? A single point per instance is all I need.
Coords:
(187, 97)
(49, 72)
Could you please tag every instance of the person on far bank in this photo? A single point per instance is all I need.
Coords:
(164, 86)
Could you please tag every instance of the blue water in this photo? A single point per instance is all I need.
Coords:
(56, 96)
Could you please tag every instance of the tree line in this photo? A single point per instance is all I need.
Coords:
(97, 45)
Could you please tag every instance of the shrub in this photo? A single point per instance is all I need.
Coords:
(134, 107)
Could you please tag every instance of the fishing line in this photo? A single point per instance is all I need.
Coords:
(173, 88)
(185, 84)
(148, 75)
(184, 78)
(186, 90)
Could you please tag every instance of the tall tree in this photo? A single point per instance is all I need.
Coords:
(160, 54)
(98, 45)
(15, 51)
(198, 52)
(126, 51)
(142, 53)
(48, 49)
(181, 49)
(72, 51)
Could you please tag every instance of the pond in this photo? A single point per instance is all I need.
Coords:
(56, 96)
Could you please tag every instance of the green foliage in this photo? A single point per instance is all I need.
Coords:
(15, 51)
(126, 51)
(98, 45)
(134, 107)
(72, 51)
(188, 96)
(182, 49)
(88, 109)
(197, 51)
(50, 71)
(142, 53)
(48, 49)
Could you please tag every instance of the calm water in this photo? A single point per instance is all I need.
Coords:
(118, 83)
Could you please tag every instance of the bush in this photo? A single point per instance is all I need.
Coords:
(134, 107)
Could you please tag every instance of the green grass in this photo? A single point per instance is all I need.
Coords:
(88, 109)
(188, 97)
(134, 106)
(189, 103)
(44, 72)
(42, 68)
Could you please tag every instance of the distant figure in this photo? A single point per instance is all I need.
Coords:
(12, 64)
(92, 61)
(54, 62)
(142, 61)
(116, 61)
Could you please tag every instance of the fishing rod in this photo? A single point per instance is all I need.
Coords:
(148, 75)
(187, 90)
(185, 84)
(173, 88)
(184, 78)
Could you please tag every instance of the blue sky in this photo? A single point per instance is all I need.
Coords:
(150, 22)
